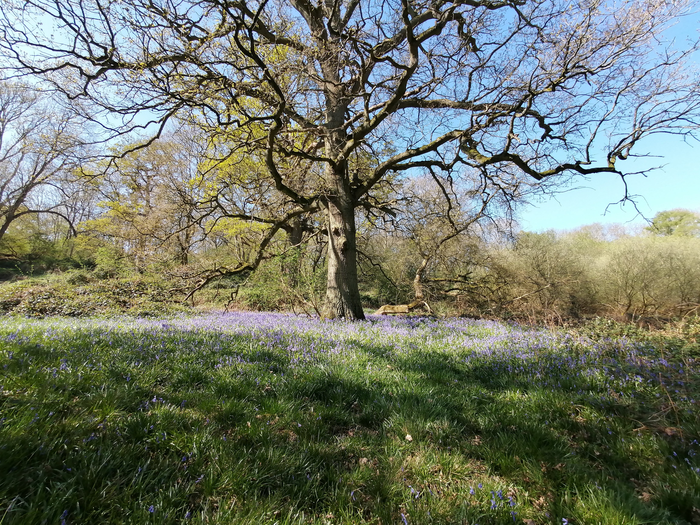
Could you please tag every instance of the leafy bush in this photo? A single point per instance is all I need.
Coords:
(108, 263)
(78, 277)
(283, 284)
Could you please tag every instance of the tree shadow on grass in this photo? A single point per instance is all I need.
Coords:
(588, 442)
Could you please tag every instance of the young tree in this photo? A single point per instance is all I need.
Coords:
(517, 90)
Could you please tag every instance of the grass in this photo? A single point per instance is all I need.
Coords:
(270, 418)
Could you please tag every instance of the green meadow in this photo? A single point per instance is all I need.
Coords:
(280, 419)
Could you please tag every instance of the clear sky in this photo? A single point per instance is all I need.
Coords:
(675, 185)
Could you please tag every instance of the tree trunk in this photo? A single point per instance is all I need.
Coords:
(418, 280)
(183, 253)
(3, 227)
(342, 292)
(7, 217)
(184, 241)
(292, 264)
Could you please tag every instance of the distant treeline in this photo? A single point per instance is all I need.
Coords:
(648, 276)
(559, 277)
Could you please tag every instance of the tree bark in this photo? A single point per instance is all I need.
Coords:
(418, 280)
(292, 264)
(342, 291)
(6, 224)
(9, 215)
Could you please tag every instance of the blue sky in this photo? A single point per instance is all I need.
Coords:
(675, 185)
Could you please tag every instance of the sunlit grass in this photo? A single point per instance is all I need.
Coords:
(261, 418)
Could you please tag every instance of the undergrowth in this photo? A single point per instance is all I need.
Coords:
(80, 293)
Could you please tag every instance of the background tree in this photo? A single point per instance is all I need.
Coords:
(676, 222)
(550, 278)
(39, 149)
(152, 201)
(680, 265)
(436, 223)
(517, 90)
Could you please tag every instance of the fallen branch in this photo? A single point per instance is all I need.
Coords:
(403, 308)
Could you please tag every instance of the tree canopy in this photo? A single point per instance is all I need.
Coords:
(676, 222)
(331, 97)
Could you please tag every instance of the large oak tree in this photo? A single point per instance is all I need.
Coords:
(510, 90)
